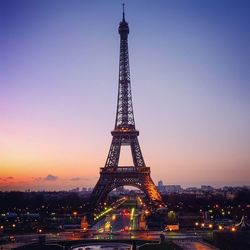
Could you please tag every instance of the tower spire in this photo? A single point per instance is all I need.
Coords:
(123, 13)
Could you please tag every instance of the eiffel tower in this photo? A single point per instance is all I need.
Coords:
(124, 133)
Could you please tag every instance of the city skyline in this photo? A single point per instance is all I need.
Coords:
(189, 66)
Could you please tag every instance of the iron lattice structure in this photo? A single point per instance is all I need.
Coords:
(124, 133)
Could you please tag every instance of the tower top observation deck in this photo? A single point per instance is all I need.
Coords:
(123, 27)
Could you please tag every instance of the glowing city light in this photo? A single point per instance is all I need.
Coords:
(132, 213)
(103, 213)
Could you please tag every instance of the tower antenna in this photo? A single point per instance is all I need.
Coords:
(123, 13)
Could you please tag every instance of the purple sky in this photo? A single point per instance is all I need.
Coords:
(190, 78)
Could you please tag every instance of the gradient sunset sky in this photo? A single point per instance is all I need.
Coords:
(190, 76)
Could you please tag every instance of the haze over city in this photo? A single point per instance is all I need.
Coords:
(189, 63)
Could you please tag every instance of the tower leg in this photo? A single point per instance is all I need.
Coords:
(151, 191)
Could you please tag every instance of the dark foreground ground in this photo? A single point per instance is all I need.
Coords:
(136, 244)
(221, 240)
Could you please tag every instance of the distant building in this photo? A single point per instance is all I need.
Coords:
(230, 195)
(74, 190)
(168, 188)
(161, 187)
(160, 183)
(191, 190)
(173, 188)
(206, 188)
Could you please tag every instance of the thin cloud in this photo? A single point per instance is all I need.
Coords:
(79, 179)
(50, 178)
(75, 179)
(7, 178)
(37, 178)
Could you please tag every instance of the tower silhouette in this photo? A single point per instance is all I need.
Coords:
(124, 133)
